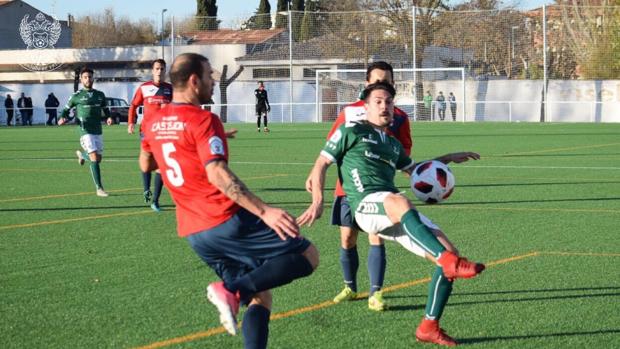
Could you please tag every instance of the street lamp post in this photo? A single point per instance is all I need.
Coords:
(162, 32)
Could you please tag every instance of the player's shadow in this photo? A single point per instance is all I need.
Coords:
(612, 291)
(531, 336)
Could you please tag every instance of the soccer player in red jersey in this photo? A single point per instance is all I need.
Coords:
(151, 95)
(253, 247)
(341, 212)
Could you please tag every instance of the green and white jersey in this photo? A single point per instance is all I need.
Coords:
(89, 105)
(367, 160)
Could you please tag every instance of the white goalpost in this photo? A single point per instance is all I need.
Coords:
(336, 88)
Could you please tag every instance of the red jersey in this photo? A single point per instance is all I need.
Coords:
(152, 97)
(355, 112)
(184, 139)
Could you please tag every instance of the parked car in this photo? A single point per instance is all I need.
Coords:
(119, 109)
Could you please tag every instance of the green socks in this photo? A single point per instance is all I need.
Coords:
(420, 233)
(96, 174)
(439, 291)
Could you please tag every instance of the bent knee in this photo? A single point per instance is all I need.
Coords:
(396, 206)
(262, 298)
(348, 237)
(312, 255)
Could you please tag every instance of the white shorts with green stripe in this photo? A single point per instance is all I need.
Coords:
(370, 216)
(92, 143)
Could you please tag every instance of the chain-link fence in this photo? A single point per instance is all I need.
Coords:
(554, 63)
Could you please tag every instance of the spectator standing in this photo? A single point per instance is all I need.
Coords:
(441, 105)
(428, 104)
(29, 111)
(8, 105)
(21, 105)
(452, 101)
(51, 108)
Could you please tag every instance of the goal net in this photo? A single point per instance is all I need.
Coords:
(338, 88)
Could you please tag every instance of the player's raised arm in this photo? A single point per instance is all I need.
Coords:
(316, 184)
(228, 183)
(458, 157)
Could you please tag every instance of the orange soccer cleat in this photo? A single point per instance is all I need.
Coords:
(458, 267)
(430, 332)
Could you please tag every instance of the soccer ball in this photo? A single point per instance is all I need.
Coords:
(432, 182)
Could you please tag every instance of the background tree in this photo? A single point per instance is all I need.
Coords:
(208, 9)
(592, 36)
(281, 19)
(261, 18)
(310, 21)
(224, 83)
(297, 8)
(105, 29)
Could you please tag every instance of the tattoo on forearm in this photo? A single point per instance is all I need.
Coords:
(235, 189)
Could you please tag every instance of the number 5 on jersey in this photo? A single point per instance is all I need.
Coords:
(173, 172)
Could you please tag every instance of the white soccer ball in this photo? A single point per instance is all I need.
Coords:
(432, 182)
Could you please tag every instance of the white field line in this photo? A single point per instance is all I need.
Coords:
(269, 163)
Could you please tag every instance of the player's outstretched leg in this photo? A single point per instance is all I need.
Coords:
(227, 304)
(453, 265)
(158, 185)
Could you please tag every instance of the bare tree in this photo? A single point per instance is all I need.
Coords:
(224, 83)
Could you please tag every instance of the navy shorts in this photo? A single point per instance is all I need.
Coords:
(241, 244)
(341, 213)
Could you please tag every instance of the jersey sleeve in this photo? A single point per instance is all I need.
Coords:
(70, 104)
(404, 161)
(138, 100)
(338, 144)
(210, 140)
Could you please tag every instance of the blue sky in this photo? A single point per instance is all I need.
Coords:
(228, 10)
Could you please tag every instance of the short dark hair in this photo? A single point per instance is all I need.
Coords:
(160, 61)
(184, 66)
(261, 82)
(380, 85)
(86, 70)
(381, 65)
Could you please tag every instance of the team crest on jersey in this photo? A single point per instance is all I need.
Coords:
(216, 145)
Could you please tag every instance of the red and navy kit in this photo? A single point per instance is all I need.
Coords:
(183, 138)
(399, 128)
(152, 97)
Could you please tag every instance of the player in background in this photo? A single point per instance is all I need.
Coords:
(262, 106)
(253, 247)
(152, 95)
(89, 105)
(367, 158)
(341, 212)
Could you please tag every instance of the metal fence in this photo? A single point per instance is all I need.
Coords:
(553, 63)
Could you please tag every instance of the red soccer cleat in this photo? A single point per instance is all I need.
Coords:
(227, 304)
(430, 332)
(458, 267)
